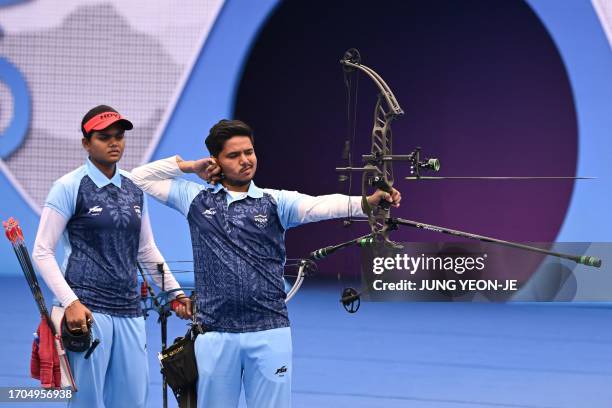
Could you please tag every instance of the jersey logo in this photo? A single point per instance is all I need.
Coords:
(97, 210)
(137, 211)
(209, 212)
(281, 371)
(261, 220)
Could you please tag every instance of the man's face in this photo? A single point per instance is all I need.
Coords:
(106, 146)
(238, 161)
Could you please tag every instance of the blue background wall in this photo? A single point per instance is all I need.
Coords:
(398, 354)
(212, 92)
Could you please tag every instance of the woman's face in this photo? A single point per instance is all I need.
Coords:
(106, 146)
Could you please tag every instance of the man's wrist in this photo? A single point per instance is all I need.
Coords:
(186, 166)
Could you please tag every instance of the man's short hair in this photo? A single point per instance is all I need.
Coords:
(224, 130)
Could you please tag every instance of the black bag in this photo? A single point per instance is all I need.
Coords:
(180, 369)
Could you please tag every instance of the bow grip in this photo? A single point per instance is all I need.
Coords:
(381, 184)
(384, 204)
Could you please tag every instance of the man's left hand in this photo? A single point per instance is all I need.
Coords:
(394, 197)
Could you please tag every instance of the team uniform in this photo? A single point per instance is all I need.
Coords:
(239, 255)
(104, 229)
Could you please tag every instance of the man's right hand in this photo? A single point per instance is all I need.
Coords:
(206, 168)
(78, 317)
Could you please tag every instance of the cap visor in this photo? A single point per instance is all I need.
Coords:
(127, 125)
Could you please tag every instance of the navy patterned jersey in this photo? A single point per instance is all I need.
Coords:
(239, 257)
(101, 238)
(239, 252)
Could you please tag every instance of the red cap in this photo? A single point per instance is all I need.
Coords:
(105, 119)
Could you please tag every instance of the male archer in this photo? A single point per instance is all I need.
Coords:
(238, 238)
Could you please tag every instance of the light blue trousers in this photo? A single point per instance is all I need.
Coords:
(116, 375)
(261, 360)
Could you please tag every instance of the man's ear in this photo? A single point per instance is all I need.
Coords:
(85, 143)
(218, 164)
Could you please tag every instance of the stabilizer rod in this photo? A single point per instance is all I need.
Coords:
(584, 260)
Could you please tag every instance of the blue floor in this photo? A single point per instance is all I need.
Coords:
(419, 355)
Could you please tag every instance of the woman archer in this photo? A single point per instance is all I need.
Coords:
(100, 215)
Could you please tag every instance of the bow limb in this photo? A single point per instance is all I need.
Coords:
(378, 172)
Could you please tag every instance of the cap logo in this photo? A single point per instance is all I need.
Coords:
(106, 115)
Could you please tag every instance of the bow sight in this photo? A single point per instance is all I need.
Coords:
(414, 158)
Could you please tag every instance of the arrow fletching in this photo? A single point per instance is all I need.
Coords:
(12, 230)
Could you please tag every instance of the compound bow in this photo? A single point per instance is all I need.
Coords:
(378, 172)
